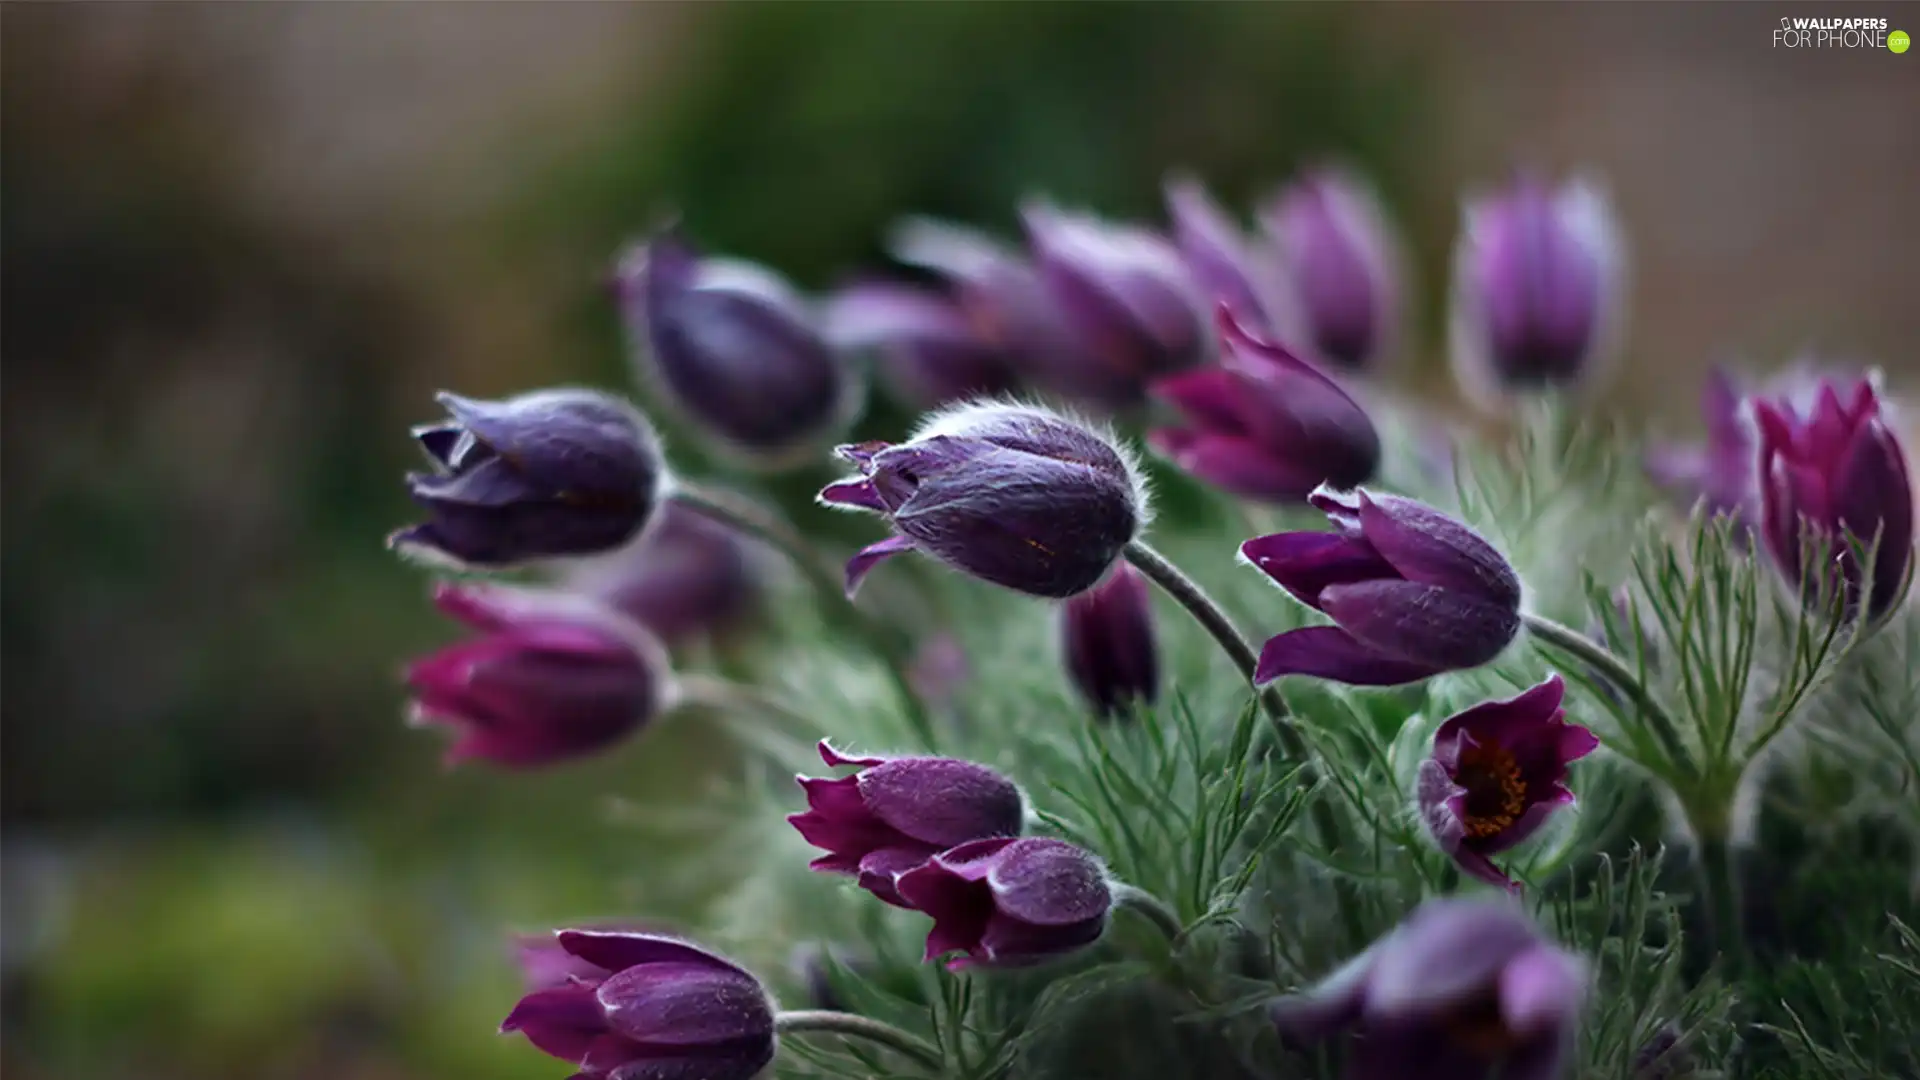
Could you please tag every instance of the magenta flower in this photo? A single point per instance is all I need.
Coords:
(1107, 638)
(931, 351)
(690, 578)
(1497, 772)
(1265, 424)
(1721, 472)
(1342, 263)
(649, 1007)
(546, 965)
(1221, 258)
(895, 813)
(552, 676)
(1009, 902)
(1412, 593)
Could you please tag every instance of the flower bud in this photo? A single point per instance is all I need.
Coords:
(553, 676)
(1412, 593)
(1342, 264)
(551, 474)
(653, 1007)
(689, 578)
(544, 965)
(1009, 902)
(1219, 257)
(1720, 473)
(1011, 494)
(1497, 772)
(1107, 638)
(896, 813)
(930, 351)
(1837, 473)
(737, 350)
(1265, 424)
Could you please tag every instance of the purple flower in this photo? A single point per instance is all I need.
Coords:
(1009, 902)
(1497, 772)
(650, 1008)
(1412, 592)
(895, 813)
(1107, 638)
(1720, 473)
(1341, 261)
(689, 578)
(545, 965)
(939, 668)
(736, 349)
(1462, 990)
(1538, 291)
(1011, 494)
(552, 676)
(551, 474)
(1266, 424)
(1837, 471)
(1220, 257)
(931, 350)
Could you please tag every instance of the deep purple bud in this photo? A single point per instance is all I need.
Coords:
(1342, 264)
(689, 578)
(1011, 494)
(1538, 292)
(1497, 772)
(1266, 424)
(736, 349)
(659, 1008)
(930, 350)
(1107, 637)
(1463, 990)
(1837, 471)
(1220, 258)
(546, 475)
(1412, 593)
(552, 676)
(1009, 902)
(544, 965)
(895, 813)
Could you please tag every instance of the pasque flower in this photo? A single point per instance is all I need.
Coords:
(1266, 424)
(895, 813)
(689, 578)
(1463, 990)
(1341, 263)
(1008, 902)
(1011, 494)
(1838, 472)
(550, 474)
(1107, 638)
(1226, 265)
(546, 965)
(930, 349)
(1498, 771)
(552, 676)
(1412, 593)
(649, 1007)
(1719, 473)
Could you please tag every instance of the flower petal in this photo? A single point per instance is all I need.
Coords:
(1425, 624)
(1328, 652)
(617, 951)
(870, 556)
(685, 1005)
(1306, 563)
(1430, 547)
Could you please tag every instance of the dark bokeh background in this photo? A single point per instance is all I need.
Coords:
(243, 244)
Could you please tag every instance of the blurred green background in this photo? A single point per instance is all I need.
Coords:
(243, 244)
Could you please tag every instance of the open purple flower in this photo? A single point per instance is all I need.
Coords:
(1266, 424)
(552, 676)
(931, 351)
(895, 813)
(1107, 638)
(1342, 264)
(1412, 593)
(690, 578)
(1011, 494)
(1497, 772)
(1221, 258)
(546, 475)
(650, 1007)
(1010, 902)
(1462, 990)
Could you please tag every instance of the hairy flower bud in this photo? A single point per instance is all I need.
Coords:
(1342, 264)
(1107, 638)
(1009, 902)
(930, 351)
(690, 578)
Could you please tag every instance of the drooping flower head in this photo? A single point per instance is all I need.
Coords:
(545, 965)
(1222, 260)
(552, 676)
(1107, 638)
(649, 1007)
(1009, 902)
(1266, 424)
(1011, 494)
(895, 813)
(689, 578)
(1412, 593)
(1497, 772)
(546, 475)
(1342, 265)
(1462, 990)
(930, 350)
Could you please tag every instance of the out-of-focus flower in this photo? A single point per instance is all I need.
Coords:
(1497, 772)
(1463, 990)
(1413, 593)
(689, 578)
(1107, 639)
(546, 475)
(1010, 902)
(930, 350)
(1220, 257)
(1721, 472)
(1838, 471)
(1011, 494)
(1538, 288)
(736, 349)
(650, 1008)
(552, 676)
(939, 668)
(1266, 424)
(1342, 264)
(895, 813)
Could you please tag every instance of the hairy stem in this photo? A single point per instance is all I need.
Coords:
(1720, 885)
(1615, 671)
(828, 1022)
(1150, 907)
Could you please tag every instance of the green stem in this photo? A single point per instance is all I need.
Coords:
(1615, 670)
(1720, 883)
(825, 579)
(726, 695)
(1150, 907)
(850, 1025)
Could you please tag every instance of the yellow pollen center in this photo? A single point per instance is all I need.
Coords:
(1496, 794)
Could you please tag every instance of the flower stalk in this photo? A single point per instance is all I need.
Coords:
(849, 1025)
(1617, 672)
